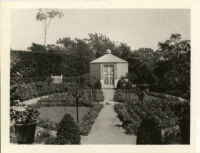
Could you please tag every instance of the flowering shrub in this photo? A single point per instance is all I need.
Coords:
(43, 134)
(23, 114)
(125, 84)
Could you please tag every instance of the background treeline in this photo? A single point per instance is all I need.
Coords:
(166, 69)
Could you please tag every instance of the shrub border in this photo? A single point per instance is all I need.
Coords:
(90, 118)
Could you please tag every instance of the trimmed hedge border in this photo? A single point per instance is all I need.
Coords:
(128, 122)
(89, 119)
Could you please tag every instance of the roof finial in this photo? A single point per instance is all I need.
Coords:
(108, 51)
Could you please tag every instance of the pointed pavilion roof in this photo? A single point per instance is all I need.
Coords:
(108, 58)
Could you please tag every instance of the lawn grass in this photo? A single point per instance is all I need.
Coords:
(56, 113)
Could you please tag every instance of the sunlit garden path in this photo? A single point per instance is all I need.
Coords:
(107, 127)
(34, 100)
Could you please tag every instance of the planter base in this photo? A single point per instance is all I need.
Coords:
(25, 133)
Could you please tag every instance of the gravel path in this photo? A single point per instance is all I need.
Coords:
(107, 127)
(33, 101)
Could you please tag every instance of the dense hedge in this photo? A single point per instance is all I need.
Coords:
(43, 64)
(68, 132)
(89, 119)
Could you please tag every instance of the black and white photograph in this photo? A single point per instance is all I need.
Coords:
(100, 76)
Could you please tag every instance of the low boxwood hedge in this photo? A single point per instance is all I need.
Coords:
(129, 122)
(89, 119)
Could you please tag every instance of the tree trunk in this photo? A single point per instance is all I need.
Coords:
(77, 116)
(45, 33)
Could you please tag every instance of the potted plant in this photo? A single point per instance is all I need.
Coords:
(24, 120)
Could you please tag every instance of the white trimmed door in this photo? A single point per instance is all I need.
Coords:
(108, 71)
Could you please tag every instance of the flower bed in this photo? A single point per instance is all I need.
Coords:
(36, 89)
(130, 122)
(125, 95)
(158, 119)
(89, 119)
(66, 99)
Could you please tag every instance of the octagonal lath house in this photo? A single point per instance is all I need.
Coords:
(108, 69)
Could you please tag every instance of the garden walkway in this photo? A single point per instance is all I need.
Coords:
(107, 127)
(34, 100)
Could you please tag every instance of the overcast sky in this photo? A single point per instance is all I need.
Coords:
(136, 27)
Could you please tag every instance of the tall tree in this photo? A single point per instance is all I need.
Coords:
(46, 16)
(66, 44)
(173, 67)
(142, 65)
(99, 43)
